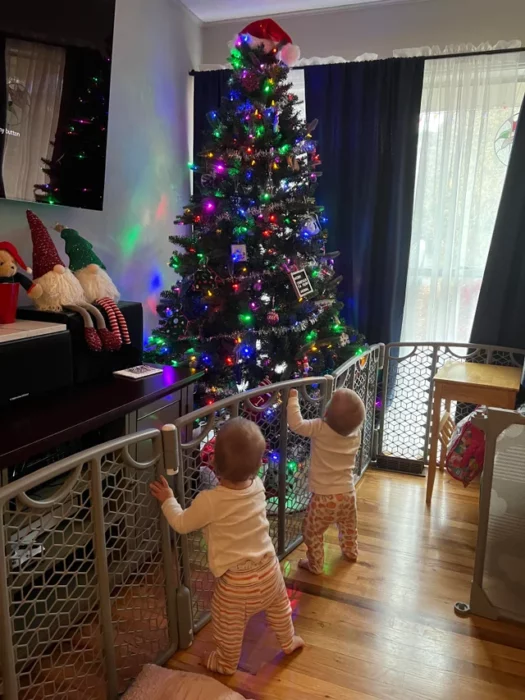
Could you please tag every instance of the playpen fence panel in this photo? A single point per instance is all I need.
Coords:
(405, 421)
(361, 373)
(284, 471)
(498, 587)
(85, 573)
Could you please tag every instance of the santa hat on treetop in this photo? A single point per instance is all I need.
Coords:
(13, 252)
(45, 255)
(268, 33)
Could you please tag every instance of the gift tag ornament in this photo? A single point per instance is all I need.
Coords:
(301, 283)
(239, 253)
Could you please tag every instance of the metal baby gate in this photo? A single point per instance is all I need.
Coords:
(93, 584)
(405, 397)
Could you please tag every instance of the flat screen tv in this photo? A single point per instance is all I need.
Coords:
(55, 71)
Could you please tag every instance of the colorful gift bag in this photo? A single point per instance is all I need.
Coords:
(466, 451)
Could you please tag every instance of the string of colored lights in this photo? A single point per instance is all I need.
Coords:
(256, 295)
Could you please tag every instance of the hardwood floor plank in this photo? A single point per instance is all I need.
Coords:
(384, 628)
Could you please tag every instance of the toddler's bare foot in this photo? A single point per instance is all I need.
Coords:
(297, 643)
(305, 564)
(211, 662)
(350, 558)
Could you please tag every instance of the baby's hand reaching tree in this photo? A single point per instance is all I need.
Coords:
(293, 394)
(161, 490)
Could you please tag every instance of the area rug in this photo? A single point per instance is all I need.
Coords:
(157, 683)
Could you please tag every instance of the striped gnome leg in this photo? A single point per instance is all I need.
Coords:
(117, 322)
(90, 334)
(110, 341)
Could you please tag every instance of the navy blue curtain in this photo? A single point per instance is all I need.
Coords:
(208, 89)
(368, 130)
(500, 313)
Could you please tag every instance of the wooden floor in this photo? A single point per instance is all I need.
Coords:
(385, 627)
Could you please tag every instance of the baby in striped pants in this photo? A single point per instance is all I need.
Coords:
(335, 441)
(240, 552)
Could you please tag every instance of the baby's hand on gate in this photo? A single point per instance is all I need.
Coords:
(161, 490)
(293, 394)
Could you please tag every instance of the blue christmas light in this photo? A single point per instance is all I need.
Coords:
(273, 456)
(168, 312)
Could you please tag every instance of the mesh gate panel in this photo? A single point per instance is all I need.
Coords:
(361, 375)
(407, 391)
(83, 556)
(285, 468)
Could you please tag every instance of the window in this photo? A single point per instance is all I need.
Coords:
(468, 112)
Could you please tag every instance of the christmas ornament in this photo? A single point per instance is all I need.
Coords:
(257, 286)
(272, 317)
(301, 283)
(239, 253)
(344, 339)
(250, 82)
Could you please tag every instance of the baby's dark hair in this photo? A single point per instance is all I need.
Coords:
(346, 412)
(239, 448)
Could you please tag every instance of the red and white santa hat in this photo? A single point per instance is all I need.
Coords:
(45, 255)
(13, 252)
(268, 33)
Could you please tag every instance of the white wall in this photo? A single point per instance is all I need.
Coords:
(382, 28)
(156, 43)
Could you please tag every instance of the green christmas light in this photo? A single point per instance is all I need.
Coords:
(284, 149)
(245, 318)
(315, 273)
(266, 197)
(312, 335)
(174, 363)
(337, 327)
(175, 262)
(217, 133)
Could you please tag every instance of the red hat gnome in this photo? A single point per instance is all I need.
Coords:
(59, 285)
(268, 33)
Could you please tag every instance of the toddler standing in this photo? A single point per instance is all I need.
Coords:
(240, 552)
(335, 442)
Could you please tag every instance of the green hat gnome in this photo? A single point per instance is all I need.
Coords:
(87, 267)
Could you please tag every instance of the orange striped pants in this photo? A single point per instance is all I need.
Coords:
(238, 596)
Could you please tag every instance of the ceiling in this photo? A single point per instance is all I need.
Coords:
(223, 10)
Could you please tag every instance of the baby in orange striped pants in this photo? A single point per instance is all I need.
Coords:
(335, 442)
(240, 552)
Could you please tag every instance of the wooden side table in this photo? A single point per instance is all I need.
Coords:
(487, 385)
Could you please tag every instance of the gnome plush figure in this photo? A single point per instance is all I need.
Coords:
(272, 37)
(98, 286)
(59, 285)
(87, 267)
(61, 289)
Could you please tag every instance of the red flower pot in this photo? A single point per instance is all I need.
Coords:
(8, 302)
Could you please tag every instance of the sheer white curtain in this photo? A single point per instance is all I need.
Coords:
(468, 114)
(34, 84)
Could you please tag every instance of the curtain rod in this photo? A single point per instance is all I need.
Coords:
(426, 58)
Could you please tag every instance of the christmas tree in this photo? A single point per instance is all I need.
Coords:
(256, 290)
(76, 169)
